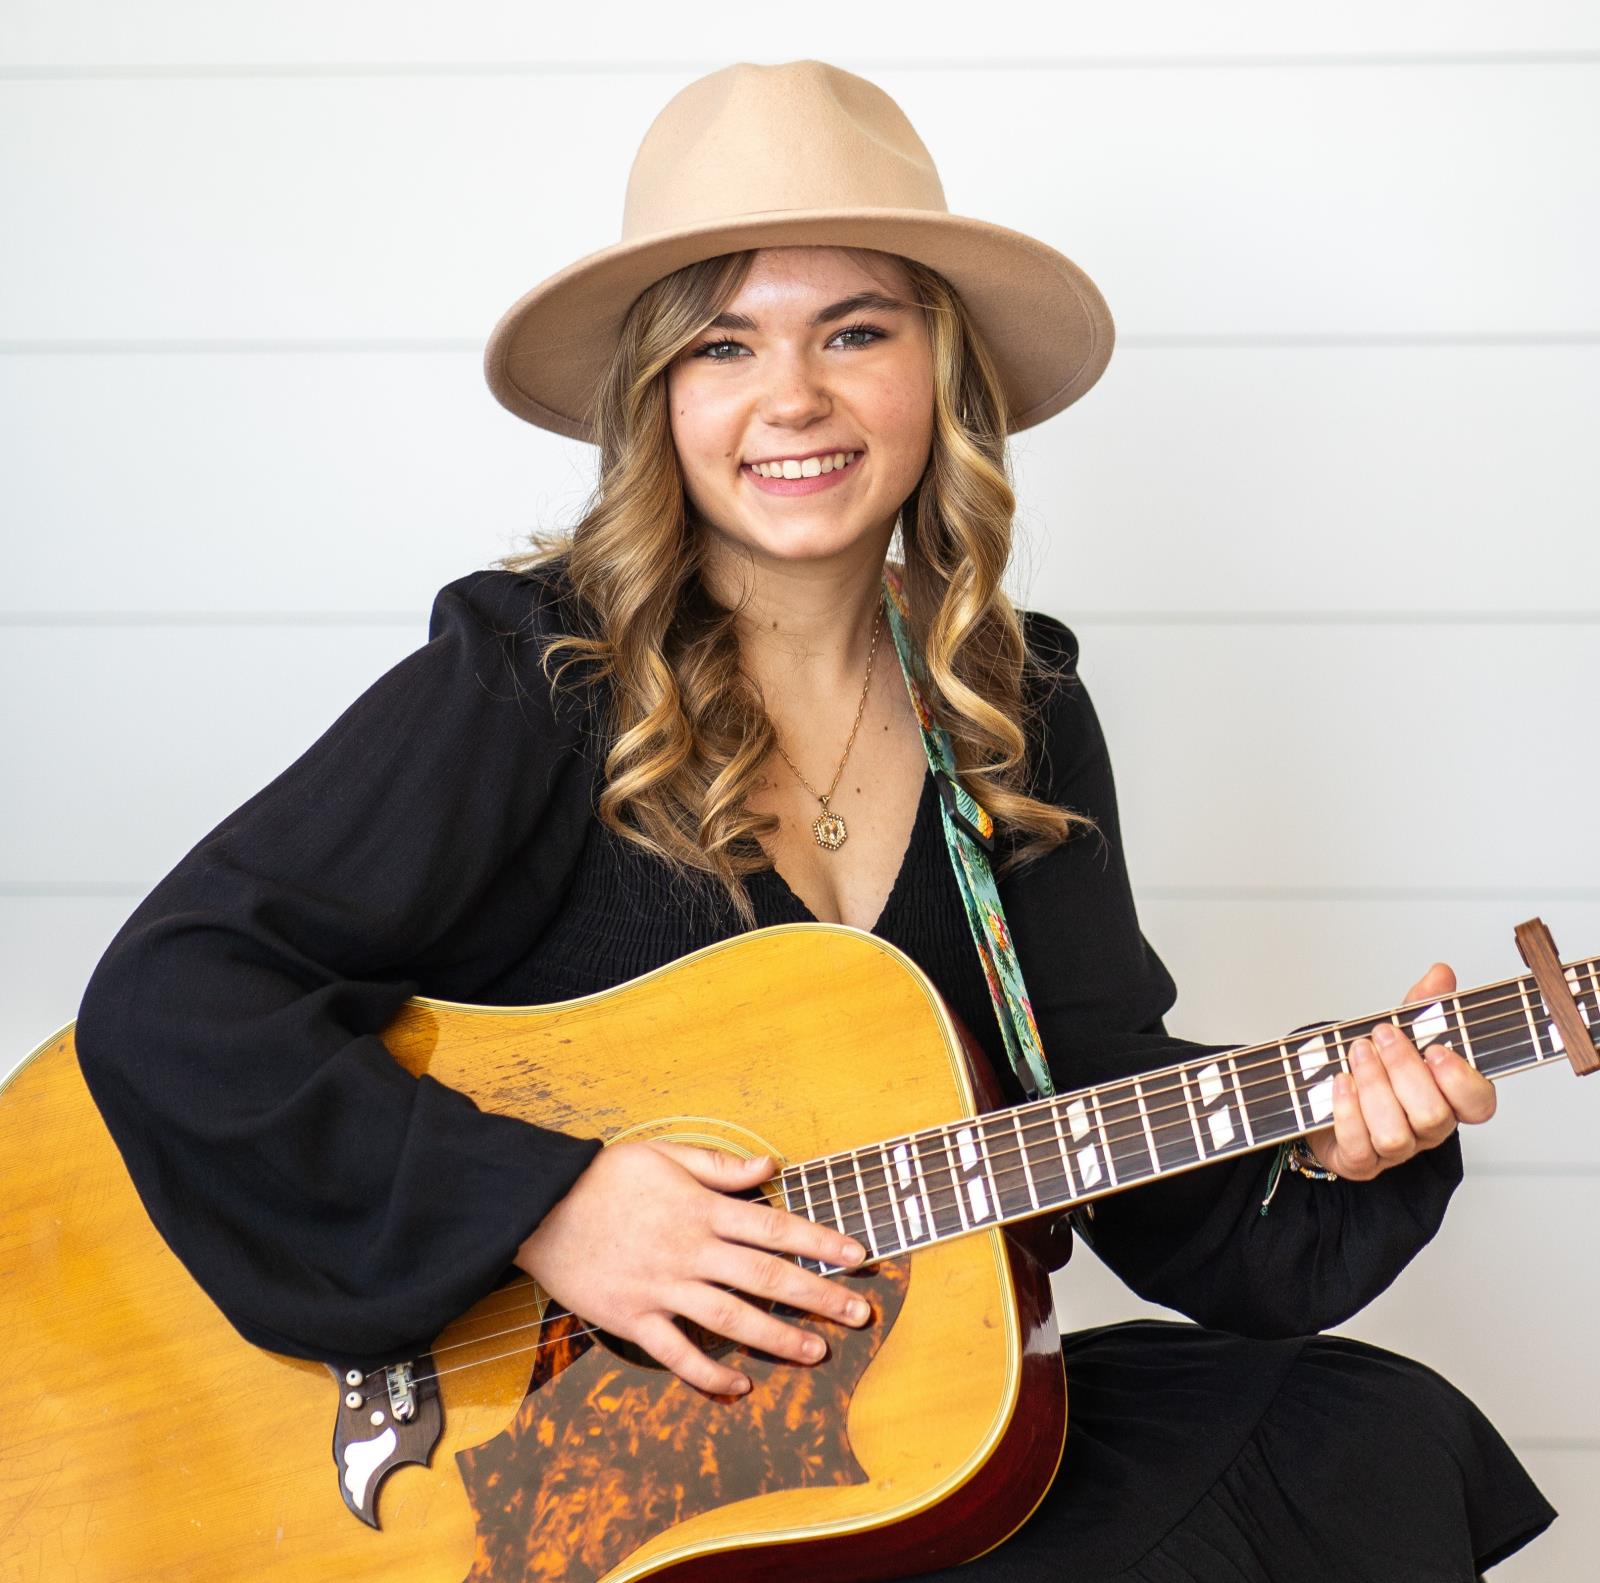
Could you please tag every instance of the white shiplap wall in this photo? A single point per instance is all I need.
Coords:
(1326, 528)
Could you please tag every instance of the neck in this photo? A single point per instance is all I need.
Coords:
(803, 626)
(1008, 1165)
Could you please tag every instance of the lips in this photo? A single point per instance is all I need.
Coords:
(804, 486)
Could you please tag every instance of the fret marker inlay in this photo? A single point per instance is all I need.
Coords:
(1210, 1081)
(1088, 1166)
(1429, 1024)
(1221, 1125)
(1077, 1120)
(1313, 1056)
(1321, 1098)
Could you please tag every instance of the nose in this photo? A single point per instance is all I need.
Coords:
(795, 391)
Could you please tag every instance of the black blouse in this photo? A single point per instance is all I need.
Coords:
(439, 839)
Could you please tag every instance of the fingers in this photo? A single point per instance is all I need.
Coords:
(669, 1346)
(729, 1315)
(766, 1226)
(1396, 1102)
(1471, 1095)
(778, 1280)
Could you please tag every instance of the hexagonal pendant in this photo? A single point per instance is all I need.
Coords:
(829, 830)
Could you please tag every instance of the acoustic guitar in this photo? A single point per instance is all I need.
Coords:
(142, 1439)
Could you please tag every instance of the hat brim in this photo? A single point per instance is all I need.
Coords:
(1042, 318)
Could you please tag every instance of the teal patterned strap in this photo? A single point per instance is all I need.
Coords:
(970, 833)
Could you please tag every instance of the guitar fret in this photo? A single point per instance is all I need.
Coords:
(946, 1210)
(1169, 1114)
(955, 1181)
(901, 1234)
(986, 1155)
(922, 1187)
(1244, 1109)
(1268, 1100)
(1048, 1173)
(1466, 1050)
(1497, 1038)
(833, 1195)
(1149, 1131)
(1085, 1157)
(1105, 1142)
(1123, 1131)
(1010, 1179)
(1027, 1164)
(1532, 1019)
(788, 1203)
(852, 1219)
(913, 1206)
(1062, 1149)
(868, 1225)
(1315, 1067)
(1300, 1122)
(1219, 1135)
(978, 1200)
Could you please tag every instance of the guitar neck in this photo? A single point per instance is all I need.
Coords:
(1008, 1165)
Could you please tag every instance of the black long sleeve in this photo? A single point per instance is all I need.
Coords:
(327, 1200)
(1196, 1242)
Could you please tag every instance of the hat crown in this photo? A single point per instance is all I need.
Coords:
(753, 139)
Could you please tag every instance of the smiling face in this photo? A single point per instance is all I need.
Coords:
(811, 358)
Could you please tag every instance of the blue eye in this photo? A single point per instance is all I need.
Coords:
(707, 348)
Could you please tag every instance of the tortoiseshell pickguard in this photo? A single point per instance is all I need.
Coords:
(606, 1452)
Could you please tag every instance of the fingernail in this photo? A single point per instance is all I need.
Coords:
(742, 1386)
(1361, 1051)
(1385, 1033)
(812, 1347)
(857, 1310)
(854, 1253)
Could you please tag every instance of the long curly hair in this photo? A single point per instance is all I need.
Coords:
(686, 733)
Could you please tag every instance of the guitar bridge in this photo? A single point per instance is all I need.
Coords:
(387, 1417)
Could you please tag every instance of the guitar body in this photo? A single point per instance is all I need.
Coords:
(144, 1439)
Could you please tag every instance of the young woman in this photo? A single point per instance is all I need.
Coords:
(683, 719)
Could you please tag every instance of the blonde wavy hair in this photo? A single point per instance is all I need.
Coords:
(687, 734)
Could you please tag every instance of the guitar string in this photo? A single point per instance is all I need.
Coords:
(949, 1197)
(1539, 1059)
(591, 1330)
(1486, 1033)
(1043, 1116)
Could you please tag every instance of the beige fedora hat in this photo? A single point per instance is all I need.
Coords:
(796, 154)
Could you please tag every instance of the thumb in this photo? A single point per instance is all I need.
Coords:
(716, 1167)
(1440, 979)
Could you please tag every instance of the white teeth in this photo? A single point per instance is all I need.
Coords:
(809, 468)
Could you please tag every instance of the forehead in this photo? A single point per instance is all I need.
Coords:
(801, 275)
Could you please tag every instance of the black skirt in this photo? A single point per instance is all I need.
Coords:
(1364, 1467)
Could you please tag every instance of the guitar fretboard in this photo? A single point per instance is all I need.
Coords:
(1006, 1165)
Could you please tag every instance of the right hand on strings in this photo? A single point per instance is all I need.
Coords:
(649, 1231)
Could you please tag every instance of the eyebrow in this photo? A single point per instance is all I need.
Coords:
(835, 310)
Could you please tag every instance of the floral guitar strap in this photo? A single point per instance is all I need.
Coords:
(970, 833)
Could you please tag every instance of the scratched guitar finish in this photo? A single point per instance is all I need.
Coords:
(149, 1442)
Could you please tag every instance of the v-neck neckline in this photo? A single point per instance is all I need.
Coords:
(900, 878)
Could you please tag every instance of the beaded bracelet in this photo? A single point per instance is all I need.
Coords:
(1297, 1158)
(1301, 1159)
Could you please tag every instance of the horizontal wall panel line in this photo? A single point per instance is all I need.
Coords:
(278, 346)
(972, 64)
(1099, 618)
(1537, 895)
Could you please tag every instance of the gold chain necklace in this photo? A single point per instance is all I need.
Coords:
(828, 827)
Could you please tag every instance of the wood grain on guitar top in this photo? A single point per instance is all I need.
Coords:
(148, 1441)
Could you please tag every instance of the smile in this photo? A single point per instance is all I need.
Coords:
(789, 477)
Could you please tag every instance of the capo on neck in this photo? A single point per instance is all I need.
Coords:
(1539, 952)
